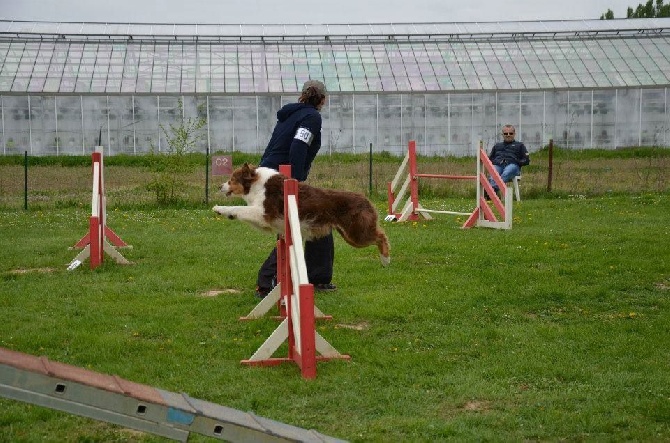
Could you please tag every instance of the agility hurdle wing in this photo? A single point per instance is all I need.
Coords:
(95, 243)
(297, 296)
(79, 391)
(485, 215)
(411, 208)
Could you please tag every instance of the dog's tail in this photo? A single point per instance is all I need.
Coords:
(384, 247)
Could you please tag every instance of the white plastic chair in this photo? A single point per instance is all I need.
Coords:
(515, 182)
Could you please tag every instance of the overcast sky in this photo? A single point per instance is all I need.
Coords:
(304, 11)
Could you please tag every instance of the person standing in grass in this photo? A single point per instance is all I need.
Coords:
(508, 156)
(296, 139)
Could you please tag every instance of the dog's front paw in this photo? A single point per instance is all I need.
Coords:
(219, 209)
(226, 211)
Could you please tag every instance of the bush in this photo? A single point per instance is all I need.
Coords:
(168, 167)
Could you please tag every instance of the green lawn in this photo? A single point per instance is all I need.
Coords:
(555, 330)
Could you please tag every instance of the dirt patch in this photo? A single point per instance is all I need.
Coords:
(477, 406)
(357, 327)
(217, 292)
(450, 410)
(33, 270)
(663, 286)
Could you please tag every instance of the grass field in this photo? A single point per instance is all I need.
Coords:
(555, 330)
(61, 182)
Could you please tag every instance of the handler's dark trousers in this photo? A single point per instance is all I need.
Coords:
(319, 258)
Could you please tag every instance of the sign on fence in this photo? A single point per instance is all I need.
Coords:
(222, 165)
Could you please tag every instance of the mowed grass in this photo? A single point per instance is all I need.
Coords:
(555, 330)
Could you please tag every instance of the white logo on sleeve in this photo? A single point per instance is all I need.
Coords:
(304, 135)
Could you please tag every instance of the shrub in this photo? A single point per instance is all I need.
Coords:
(170, 166)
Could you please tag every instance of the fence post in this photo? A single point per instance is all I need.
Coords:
(551, 164)
(25, 180)
(370, 182)
(207, 177)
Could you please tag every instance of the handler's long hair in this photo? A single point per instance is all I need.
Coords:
(311, 96)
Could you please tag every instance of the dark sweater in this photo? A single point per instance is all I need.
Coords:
(295, 140)
(504, 153)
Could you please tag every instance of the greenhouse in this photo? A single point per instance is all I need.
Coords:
(64, 87)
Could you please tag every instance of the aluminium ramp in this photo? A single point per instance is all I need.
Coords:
(78, 391)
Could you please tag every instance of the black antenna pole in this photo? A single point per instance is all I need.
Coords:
(100, 137)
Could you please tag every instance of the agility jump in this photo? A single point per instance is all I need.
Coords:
(482, 215)
(95, 243)
(296, 299)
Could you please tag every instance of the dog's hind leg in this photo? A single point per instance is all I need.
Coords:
(361, 240)
(384, 248)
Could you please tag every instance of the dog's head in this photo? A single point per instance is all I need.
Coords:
(240, 181)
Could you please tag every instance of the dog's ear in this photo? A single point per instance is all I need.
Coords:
(248, 167)
(248, 170)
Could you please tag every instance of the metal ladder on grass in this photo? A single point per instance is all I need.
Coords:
(78, 391)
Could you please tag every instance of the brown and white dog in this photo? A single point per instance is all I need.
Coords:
(320, 210)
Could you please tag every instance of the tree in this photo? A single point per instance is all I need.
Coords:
(646, 10)
(609, 15)
(169, 166)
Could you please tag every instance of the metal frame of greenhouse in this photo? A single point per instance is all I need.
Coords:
(585, 84)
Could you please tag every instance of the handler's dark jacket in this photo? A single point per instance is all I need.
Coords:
(295, 140)
(503, 154)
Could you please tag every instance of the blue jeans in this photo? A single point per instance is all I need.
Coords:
(507, 173)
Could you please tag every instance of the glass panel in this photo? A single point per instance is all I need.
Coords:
(203, 69)
(70, 133)
(96, 118)
(437, 128)
(114, 78)
(390, 127)
(120, 137)
(365, 119)
(221, 126)
(460, 123)
(628, 117)
(245, 69)
(44, 138)
(17, 128)
(146, 123)
(604, 118)
(654, 121)
(168, 114)
(130, 69)
(246, 136)
(145, 67)
(530, 128)
(174, 65)
(160, 68)
(218, 69)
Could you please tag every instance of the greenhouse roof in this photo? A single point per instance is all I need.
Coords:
(115, 58)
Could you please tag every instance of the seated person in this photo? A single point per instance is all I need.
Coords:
(508, 156)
